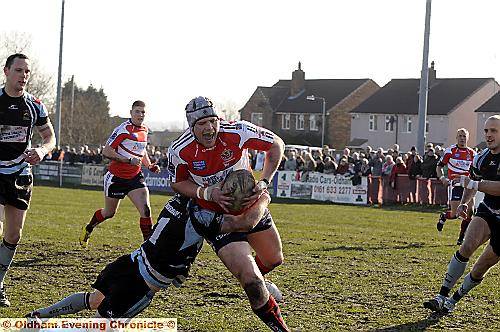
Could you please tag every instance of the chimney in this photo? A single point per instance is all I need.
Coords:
(432, 74)
(298, 81)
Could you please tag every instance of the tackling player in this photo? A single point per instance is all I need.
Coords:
(458, 159)
(126, 147)
(127, 286)
(20, 113)
(199, 160)
(484, 177)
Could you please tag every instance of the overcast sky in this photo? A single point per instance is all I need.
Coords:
(166, 52)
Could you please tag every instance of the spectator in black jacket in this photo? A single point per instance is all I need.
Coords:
(429, 164)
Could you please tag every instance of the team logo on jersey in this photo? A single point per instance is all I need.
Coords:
(134, 135)
(457, 155)
(13, 107)
(199, 165)
(26, 116)
(227, 155)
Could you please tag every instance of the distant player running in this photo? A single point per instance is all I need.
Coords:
(458, 159)
(484, 177)
(126, 147)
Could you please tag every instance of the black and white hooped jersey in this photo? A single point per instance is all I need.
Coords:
(18, 117)
(486, 166)
(167, 255)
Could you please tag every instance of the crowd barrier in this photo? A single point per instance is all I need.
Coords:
(286, 184)
(406, 190)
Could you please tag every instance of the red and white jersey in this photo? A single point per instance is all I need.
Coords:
(129, 141)
(206, 166)
(458, 160)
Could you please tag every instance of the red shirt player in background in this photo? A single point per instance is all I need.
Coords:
(199, 160)
(458, 158)
(126, 147)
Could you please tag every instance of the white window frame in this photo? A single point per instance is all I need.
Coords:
(285, 121)
(408, 123)
(256, 119)
(313, 123)
(372, 122)
(389, 127)
(299, 121)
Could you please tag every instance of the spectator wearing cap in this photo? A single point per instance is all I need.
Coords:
(429, 164)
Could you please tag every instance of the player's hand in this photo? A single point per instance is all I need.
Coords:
(462, 210)
(154, 168)
(216, 195)
(258, 190)
(462, 181)
(134, 161)
(445, 181)
(34, 156)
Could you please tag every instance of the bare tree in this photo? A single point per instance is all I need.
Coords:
(228, 110)
(40, 83)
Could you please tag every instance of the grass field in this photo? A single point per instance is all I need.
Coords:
(346, 268)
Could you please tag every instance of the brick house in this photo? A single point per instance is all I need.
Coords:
(285, 109)
(491, 107)
(391, 115)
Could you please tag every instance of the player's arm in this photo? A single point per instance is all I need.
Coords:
(147, 162)
(489, 187)
(247, 220)
(46, 131)
(110, 153)
(212, 193)
(440, 175)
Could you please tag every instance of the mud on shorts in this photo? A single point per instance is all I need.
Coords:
(15, 190)
(493, 221)
(208, 224)
(115, 187)
(126, 293)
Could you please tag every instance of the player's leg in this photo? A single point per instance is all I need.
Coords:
(140, 198)
(465, 222)
(114, 191)
(477, 234)
(487, 259)
(454, 197)
(237, 256)
(14, 221)
(268, 248)
(109, 210)
(69, 305)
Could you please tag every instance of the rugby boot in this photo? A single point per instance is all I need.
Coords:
(274, 291)
(435, 304)
(85, 236)
(449, 305)
(4, 301)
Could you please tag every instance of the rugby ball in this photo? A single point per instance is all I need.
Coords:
(239, 185)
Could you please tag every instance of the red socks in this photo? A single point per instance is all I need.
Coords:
(97, 218)
(262, 268)
(270, 314)
(449, 216)
(146, 227)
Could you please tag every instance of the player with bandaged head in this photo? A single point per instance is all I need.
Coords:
(199, 161)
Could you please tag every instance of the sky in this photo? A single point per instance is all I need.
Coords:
(167, 52)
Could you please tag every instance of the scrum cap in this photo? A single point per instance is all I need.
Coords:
(199, 108)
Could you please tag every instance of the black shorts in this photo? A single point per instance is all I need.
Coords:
(126, 293)
(456, 193)
(115, 187)
(208, 223)
(493, 221)
(15, 190)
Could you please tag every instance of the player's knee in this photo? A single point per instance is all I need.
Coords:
(278, 260)
(256, 291)
(467, 248)
(95, 299)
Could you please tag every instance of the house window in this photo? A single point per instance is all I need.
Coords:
(372, 123)
(313, 122)
(389, 123)
(285, 121)
(407, 123)
(426, 127)
(257, 119)
(299, 125)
